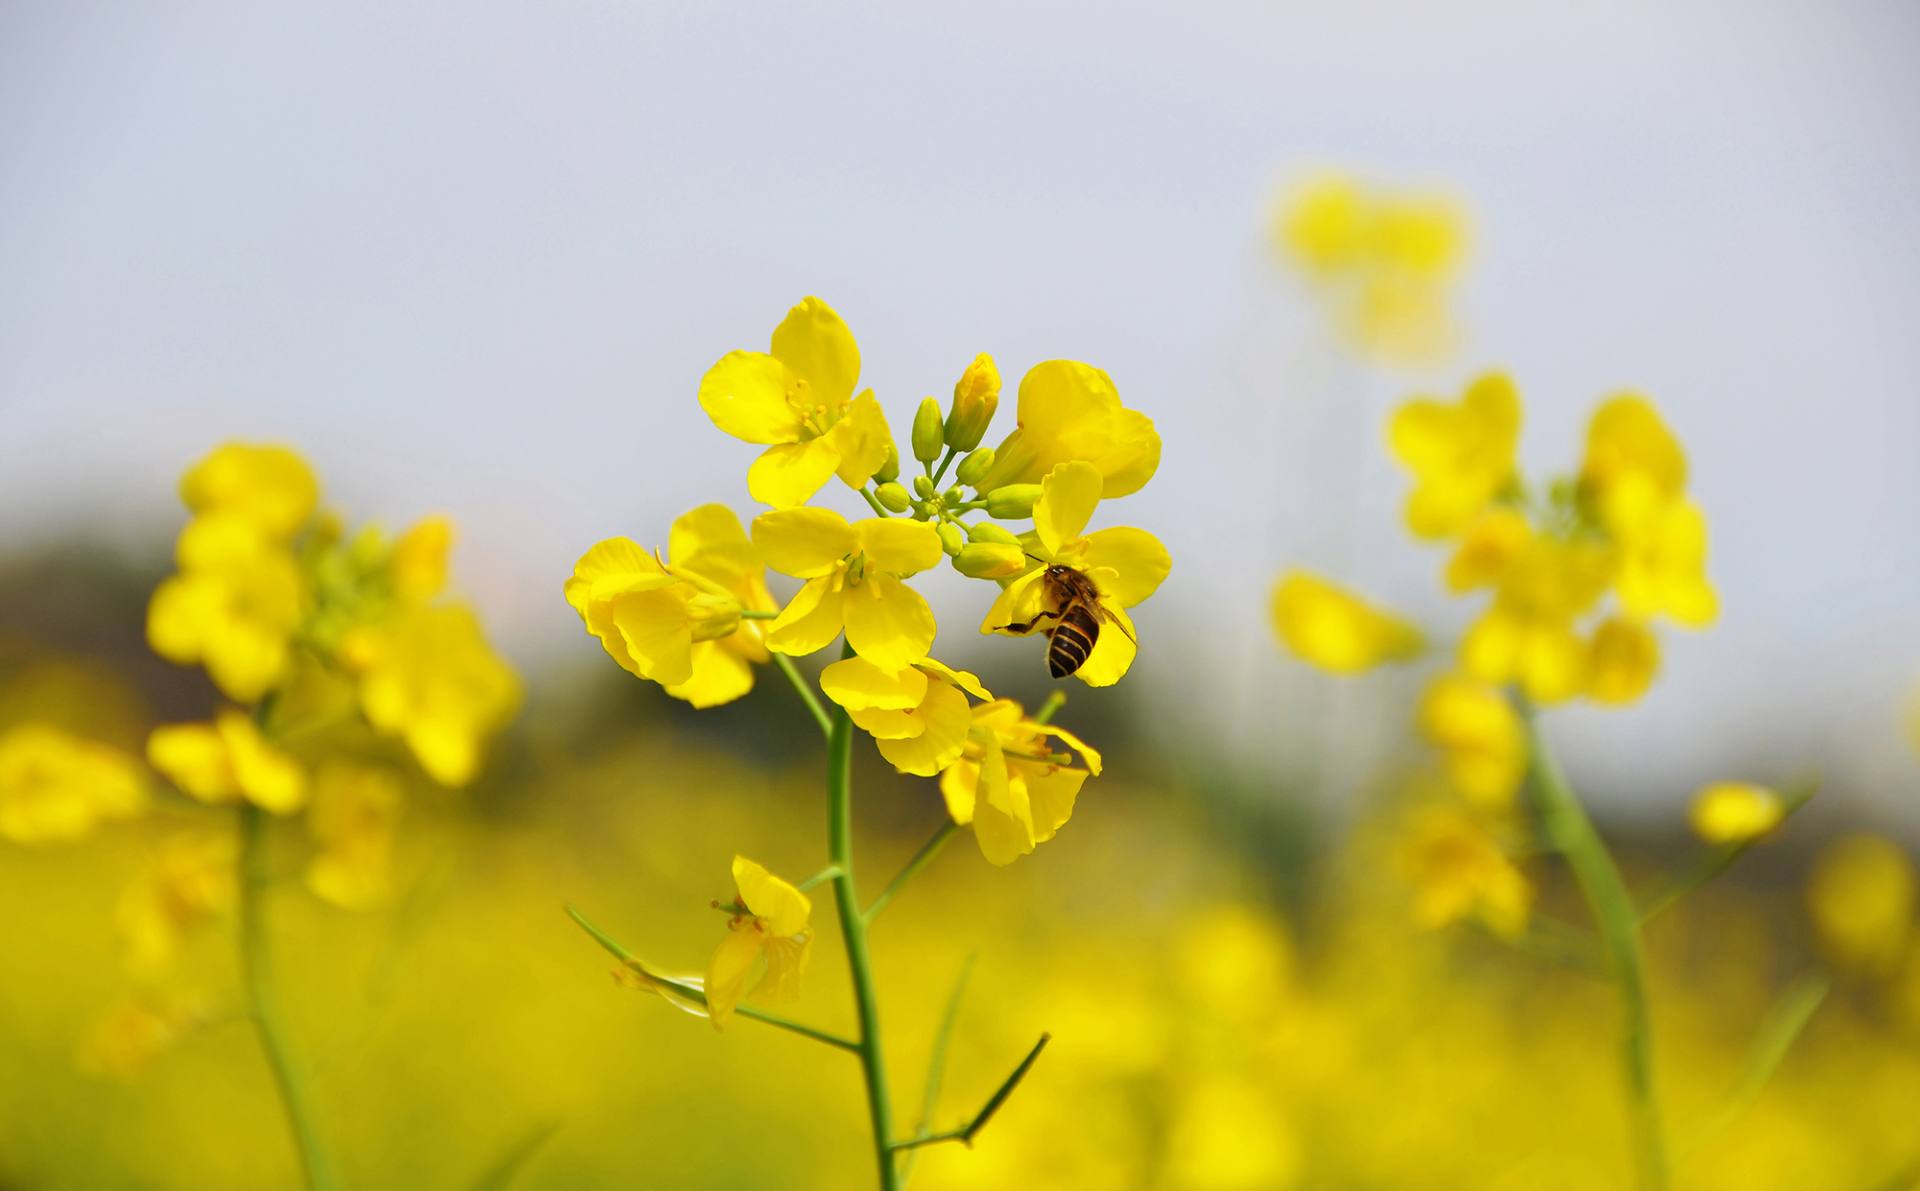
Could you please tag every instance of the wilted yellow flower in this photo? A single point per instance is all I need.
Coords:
(228, 760)
(1483, 744)
(1010, 784)
(1861, 897)
(679, 623)
(1070, 411)
(1663, 567)
(1634, 468)
(1736, 812)
(1461, 454)
(1126, 566)
(1621, 661)
(58, 786)
(128, 1037)
(352, 818)
(1528, 636)
(799, 401)
(774, 927)
(1330, 627)
(270, 486)
(233, 607)
(418, 562)
(190, 878)
(428, 676)
(919, 717)
(855, 581)
(1458, 870)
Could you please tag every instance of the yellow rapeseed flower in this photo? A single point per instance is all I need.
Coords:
(773, 927)
(190, 879)
(1621, 660)
(919, 717)
(1663, 567)
(428, 676)
(855, 581)
(233, 607)
(1458, 870)
(352, 817)
(1634, 468)
(270, 486)
(1736, 812)
(799, 401)
(1528, 635)
(1126, 566)
(228, 760)
(58, 786)
(1482, 743)
(417, 565)
(1330, 627)
(678, 623)
(1010, 784)
(1069, 412)
(1861, 897)
(1461, 454)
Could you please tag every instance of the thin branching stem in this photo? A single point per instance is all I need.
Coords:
(919, 860)
(1714, 863)
(966, 1133)
(937, 1062)
(805, 691)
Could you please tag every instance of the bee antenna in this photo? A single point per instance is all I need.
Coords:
(1035, 557)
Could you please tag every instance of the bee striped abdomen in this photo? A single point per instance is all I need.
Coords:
(1071, 641)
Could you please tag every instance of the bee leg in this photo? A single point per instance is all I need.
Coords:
(1029, 626)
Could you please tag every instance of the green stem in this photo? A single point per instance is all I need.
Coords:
(853, 930)
(264, 1004)
(927, 852)
(937, 1063)
(873, 502)
(946, 461)
(1566, 824)
(805, 689)
(965, 1133)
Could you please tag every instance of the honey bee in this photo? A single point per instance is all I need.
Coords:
(1073, 605)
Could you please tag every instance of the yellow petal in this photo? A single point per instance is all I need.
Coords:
(1735, 812)
(657, 630)
(728, 970)
(1860, 895)
(805, 543)
(1088, 755)
(710, 542)
(1068, 496)
(746, 395)
(815, 344)
(194, 758)
(858, 685)
(1051, 792)
(610, 568)
(270, 485)
(897, 546)
(811, 620)
(788, 474)
(1130, 563)
(1336, 630)
(863, 439)
(720, 675)
(1018, 603)
(963, 679)
(957, 785)
(1622, 661)
(267, 777)
(889, 723)
(888, 623)
(1113, 649)
(1492, 543)
(782, 906)
(1002, 818)
(946, 719)
(419, 559)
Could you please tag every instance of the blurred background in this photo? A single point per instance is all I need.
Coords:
(473, 259)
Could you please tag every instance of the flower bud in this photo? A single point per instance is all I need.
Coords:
(989, 560)
(923, 486)
(1013, 501)
(951, 539)
(974, 400)
(890, 470)
(987, 531)
(954, 497)
(926, 431)
(974, 466)
(922, 511)
(893, 497)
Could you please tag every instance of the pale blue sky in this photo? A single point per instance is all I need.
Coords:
(475, 257)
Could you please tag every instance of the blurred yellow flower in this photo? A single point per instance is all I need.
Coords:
(773, 926)
(1528, 635)
(679, 623)
(270, 486)
(234, 607)
(799, 402)
(1336, 630)
(1236, 963)
(1071, 412)
(190, 878)
(418, 562)
(1492, 540)
(58, 786)
(1461, 454)
(1126, 565)
(1228, 1134)
(1634, 468)
(919, 717)
(428, 676)
(126, 1039)
(1010, 784)
(1663, 567)
(855, 581)
(228, 760)
(1621, 660)
(1457, 870)
(1861, 897)
(1735, 812)
(352, 817)
(1482, 741)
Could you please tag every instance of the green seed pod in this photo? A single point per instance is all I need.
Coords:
(927, 442)
(974, 400)
(989, 560)
(890, 470)
(1012, 502)
(951, 539)
(974, 466)
(923, 485)
(987, 531)
(894, 497)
